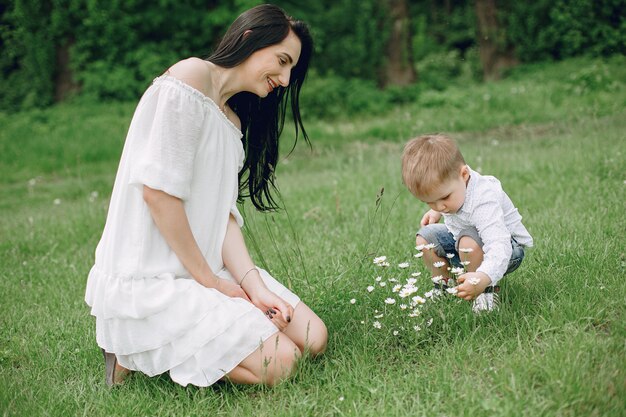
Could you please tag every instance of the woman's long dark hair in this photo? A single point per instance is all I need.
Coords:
(262, 119)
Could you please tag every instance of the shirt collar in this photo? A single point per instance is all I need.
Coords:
(471, 184)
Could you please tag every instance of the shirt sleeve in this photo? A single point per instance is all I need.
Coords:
(235, 212)
(489, 220)
(166, 140)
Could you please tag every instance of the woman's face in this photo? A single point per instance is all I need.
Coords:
(270, 67)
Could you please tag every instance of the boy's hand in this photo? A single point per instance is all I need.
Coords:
(469, 291)
(431, 217)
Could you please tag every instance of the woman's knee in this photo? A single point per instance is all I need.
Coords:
(308, 331)
(280, 355)
(318, 337)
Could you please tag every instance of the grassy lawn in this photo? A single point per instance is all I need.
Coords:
(554, 136)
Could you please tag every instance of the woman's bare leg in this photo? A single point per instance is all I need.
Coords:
(307, 330)
(269, 364)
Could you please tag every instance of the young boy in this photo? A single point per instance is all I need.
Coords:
(481, 224)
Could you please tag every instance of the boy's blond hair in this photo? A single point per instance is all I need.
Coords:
(428, 161)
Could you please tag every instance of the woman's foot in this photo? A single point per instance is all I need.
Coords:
(114, 372)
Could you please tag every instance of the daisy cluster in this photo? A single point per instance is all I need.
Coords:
(454, 272)
(401, 305)
(395, 290)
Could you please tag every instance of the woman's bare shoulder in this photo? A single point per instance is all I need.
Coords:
(232, 116)
(192, 71)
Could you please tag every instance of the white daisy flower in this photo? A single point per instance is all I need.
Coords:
(452, 290)
(370, 288)
(382, 284)
(418, 300)
(403, 265)
(380, 260)
(439, 264)
(466, 250)
(384, 264)
(403, 306)
(353, 301)
(416, 274)
(474, 280)
(378, 279)
(419, 247)
(432, 293)
(449, 255)
(411, 281)
(437, 279)
(407, 290)
(465, 263)
(429, 246)
(429, 322)
(377, 325)
(390, 301)
(418, 255)
(395, 332)
(417, 328)
(457, 270)
(379, 316)
(396, 288)
(393, 280)
(415, 313)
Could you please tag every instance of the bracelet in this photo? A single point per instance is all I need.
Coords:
(246, 274)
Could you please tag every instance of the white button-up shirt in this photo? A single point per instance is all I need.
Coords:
(490, 210)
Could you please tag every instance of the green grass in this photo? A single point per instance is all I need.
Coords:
(556, 347)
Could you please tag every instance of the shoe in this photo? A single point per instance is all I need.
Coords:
(487, 301)
(110, 362)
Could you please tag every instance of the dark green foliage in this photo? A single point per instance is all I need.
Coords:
(117, 47)
(350, 36)
(335, 96)
(548, 29)
(27, 60)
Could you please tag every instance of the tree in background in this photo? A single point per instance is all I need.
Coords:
(496, 53)
(398, 67)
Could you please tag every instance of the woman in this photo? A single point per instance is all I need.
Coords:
(173, 287)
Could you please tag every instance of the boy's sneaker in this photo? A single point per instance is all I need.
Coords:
(487, 301)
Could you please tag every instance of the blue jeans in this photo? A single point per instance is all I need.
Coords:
(439, 235)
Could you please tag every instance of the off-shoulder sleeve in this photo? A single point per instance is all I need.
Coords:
(165, 140)
(235, 212)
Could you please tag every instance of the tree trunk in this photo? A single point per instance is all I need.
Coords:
(495, 54)
(398, 68)
(64, 84)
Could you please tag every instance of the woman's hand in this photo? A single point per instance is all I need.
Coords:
(431, 217)
(230, 289)
(275, 308)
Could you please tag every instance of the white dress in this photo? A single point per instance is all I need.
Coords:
(149, 311)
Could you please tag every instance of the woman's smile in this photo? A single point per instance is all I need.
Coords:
(271, 84)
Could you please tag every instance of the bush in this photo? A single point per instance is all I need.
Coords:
(559, 29)
(331, 96)
(437, 70)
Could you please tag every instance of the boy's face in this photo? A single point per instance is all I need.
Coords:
(449, 196)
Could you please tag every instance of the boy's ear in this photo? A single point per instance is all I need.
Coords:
(465, 172)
